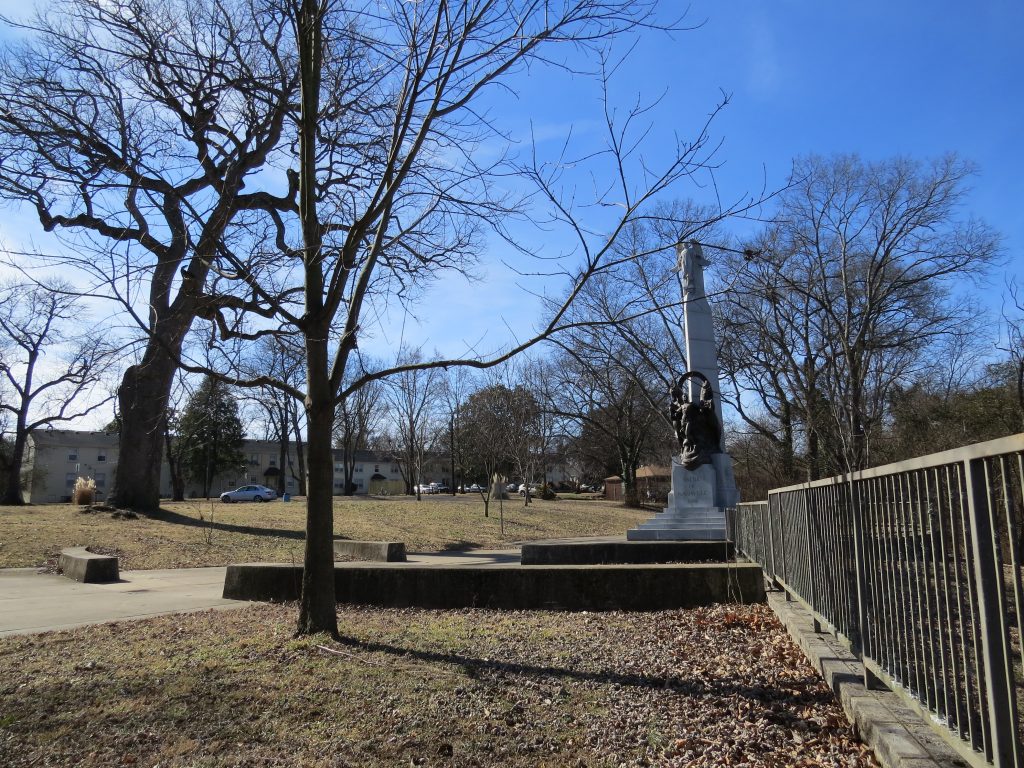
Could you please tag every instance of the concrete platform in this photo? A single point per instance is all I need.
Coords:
(511, 586)
(618, 550)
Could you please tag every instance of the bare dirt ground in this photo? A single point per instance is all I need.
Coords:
(706, 687)
(198, 533)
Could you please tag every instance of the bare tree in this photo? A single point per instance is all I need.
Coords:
(1013, 319)
(857, 282)
(412, 399)
(398, 185)
(359, 417)
(54, 374)
(457, 384)
(493, 419)
(132, 129)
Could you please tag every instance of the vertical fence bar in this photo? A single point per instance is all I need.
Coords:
(812, 596)
(980, 712)
(995, 640)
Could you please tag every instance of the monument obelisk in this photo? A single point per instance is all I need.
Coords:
(702, 478)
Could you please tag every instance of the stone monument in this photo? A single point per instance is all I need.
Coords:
(702, 478)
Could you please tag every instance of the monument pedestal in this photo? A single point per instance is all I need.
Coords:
(696, 504)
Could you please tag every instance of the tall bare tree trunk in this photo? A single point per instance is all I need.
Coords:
(318, 610)
(12, 493)
(142, 400)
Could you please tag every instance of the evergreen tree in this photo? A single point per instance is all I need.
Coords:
(210, 433)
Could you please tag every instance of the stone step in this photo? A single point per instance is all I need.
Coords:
(676, 520)
(676, 534)
(681, 524)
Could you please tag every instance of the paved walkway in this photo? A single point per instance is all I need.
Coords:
(40, 602)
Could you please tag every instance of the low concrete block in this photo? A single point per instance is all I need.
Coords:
(382, 551)
(80, 564)
(511, 587)
(265, 582)
(625, 552)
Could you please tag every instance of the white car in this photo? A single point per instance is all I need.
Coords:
(475, 488)
(249, 493)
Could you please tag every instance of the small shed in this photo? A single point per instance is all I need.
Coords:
(653, 483)
(613, 488)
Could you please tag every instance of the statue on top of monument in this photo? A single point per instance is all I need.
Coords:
(690, 263)
(695, 423)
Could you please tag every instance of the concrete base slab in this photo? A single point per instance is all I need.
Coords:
(682, 533)
(897, 735)
(593, 552)
(79, 564)
(512, 587)
(384, 551)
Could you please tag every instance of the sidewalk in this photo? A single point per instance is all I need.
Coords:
(39, 602)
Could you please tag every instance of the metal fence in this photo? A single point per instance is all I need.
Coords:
(917, 565)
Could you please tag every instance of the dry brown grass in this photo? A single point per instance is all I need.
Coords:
(708, 687)
(198, 533)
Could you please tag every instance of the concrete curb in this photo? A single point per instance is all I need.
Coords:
(894, 732)
(511, 587)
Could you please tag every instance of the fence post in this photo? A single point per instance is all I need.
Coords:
(995, 640)
(772, 523)
(812, 598)
(860, 636)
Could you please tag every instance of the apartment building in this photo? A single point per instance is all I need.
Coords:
(55, 459)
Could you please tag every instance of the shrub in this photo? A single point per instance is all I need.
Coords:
(85, 491)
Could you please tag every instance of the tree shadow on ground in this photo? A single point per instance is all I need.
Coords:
(802, 691)
(176, 518)
(460, 545)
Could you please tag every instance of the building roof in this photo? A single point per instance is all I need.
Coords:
(74, 437)
(653, 470)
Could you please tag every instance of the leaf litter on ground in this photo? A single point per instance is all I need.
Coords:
(722, 685)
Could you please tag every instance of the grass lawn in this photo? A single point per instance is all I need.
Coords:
(707, 687)
(198, 533)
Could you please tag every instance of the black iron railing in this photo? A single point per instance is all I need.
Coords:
(918, 566)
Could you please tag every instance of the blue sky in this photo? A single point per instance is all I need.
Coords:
(911, 77)
(879, 79)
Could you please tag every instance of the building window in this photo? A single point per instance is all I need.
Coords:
(376, 467)
(254, 459)
(339, 468)
(359, 467)
(69, 479)
(101, 479)
(101, 457)
(272, 461)
(73, 456)
(291, 482)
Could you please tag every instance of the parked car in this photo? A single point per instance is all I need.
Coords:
(534, 489)
(475, 488)
(249, 493)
